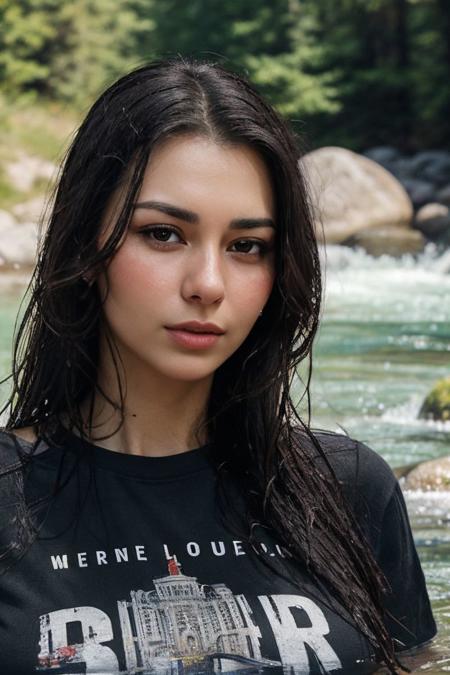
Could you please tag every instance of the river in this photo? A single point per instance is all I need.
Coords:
(384, 341)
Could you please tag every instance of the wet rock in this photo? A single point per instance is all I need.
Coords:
(383, 154)
(435, 229)
(31, 210)
(351, 192)
(430, 211)
(393, 240)
(18, 245)
(404, 470)
(402, 168)
(432, 475)
(438, 172)
(437, 404)
(443, 195)
(7, 221)
(421, 192)
(433, 220)
(423, 160)
(27, 169)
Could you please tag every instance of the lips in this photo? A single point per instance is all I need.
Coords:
(195, 335)
(198, 327)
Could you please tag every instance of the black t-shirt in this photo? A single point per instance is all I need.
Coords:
(133, 571)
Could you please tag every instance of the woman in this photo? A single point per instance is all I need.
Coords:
(168, 509)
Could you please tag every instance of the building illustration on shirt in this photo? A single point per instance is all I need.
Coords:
(184, 619)
(179, 626)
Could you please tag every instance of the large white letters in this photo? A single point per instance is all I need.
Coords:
(92, 627)
(291, 639)
(75, 635)
(59, 562)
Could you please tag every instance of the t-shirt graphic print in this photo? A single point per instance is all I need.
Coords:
(184, 626)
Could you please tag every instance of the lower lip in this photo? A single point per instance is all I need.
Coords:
(193, 340)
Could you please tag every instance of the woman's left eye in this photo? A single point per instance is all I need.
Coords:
(250, 246)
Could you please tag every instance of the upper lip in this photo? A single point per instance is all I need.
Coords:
(198, 327)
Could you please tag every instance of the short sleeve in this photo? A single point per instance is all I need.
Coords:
(407, 602)
(374, 495)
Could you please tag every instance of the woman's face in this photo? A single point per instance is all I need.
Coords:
(200, 247)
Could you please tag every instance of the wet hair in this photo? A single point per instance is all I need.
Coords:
(259, 438)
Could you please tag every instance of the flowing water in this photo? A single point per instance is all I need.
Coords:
(383, 342)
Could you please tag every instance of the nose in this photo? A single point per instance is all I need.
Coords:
(203, 281)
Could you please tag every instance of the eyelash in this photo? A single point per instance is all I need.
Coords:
(263, 246)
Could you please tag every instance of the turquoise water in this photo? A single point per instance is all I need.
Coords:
(383, 342)
(9, 304)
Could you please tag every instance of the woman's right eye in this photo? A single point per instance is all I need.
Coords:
(161, 234)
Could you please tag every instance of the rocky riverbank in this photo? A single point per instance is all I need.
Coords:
(382, 201)
(31, 177)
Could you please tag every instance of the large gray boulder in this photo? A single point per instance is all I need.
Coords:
(351, 192)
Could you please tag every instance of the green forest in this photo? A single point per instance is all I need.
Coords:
(355, 73)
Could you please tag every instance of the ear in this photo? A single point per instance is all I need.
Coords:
(88, 278)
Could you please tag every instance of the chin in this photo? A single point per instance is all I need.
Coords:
(190, 373)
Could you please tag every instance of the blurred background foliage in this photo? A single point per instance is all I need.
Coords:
(354, 73)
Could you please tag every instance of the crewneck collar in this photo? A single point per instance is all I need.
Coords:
(139, 466)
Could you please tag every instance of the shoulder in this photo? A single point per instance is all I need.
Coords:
(14, 446)
(352, 460)
(367, 481)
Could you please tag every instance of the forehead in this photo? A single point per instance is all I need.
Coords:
(187, 169)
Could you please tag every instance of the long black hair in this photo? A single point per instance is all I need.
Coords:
(252, 422)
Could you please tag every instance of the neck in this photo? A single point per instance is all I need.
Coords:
(160, 416)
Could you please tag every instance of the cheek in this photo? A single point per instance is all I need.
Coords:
(267, 282)
(133, 280)
(253, 295)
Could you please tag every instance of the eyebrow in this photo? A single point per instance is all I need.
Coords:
(191, 217)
